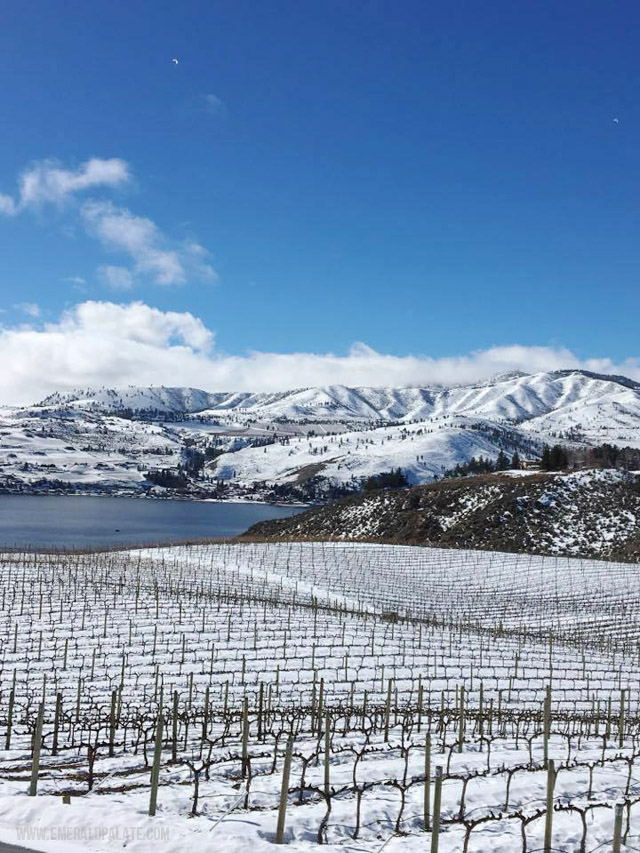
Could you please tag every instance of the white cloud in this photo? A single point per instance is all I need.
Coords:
(212, 104)
(197, 260)
(119, 230)
(77, 282)
(46, 182)
(103, 343)
(7, 205)
(117, 278)
(30, 308)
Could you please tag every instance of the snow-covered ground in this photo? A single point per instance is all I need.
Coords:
(392, 643)
(81, 448)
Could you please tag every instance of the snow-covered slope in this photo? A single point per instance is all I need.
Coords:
(287, 437)
(44, 450)
(423, 450)
(587, 513)
(135, 399)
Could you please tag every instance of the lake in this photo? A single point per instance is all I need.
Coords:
(67, 521)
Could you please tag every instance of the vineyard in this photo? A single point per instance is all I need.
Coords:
(234, 697)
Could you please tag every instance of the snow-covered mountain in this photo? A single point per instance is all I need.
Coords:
(513, 397)
(112, 437)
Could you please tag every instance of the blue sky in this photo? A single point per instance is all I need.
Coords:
(428, 178)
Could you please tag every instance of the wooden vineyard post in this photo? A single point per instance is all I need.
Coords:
(245, 737)
(313, 704)
(205, 719)
(320, 707)
(461, 723)
(7, 740)
(174, 727)
(387, 712)
(548, 822)
(327, 754)
(427, 782)
(617, 828)
(621, 719)
(37, 746)
(437, 800)
(112, 722)
(546, 724)
(284, 792)
(56, 724)
(155, 770)
(260, 705)
(78, 698)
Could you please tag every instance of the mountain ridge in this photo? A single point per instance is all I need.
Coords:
(308, 443)
(190, 400)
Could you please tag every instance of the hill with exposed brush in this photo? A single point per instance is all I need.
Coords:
(587, 513)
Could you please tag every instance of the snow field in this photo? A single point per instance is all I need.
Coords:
(392, 643)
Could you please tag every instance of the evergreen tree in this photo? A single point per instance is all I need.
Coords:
(502, 462)
(393, 479)
(554, 458)
(558, 458)
(545, 461)
(515, 461)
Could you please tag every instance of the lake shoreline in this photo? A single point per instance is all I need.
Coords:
(56, 522)
(160, 498)
(126, 494)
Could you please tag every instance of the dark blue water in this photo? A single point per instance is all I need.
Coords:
(69, 521)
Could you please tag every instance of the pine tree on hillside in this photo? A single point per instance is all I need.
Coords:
(502, 462)
(558, 458)
(545, 459)
(554, 458)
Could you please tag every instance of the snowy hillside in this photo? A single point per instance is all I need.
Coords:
(423, 450)
(586, 513)
(110, 438)
(135, 399)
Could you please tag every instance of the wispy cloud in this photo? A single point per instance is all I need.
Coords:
(120, 230)
(117, 278)
(46, 182)
(212, 104)
(104, 343)
(7, 205)
(148, 249)
(32, 309)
